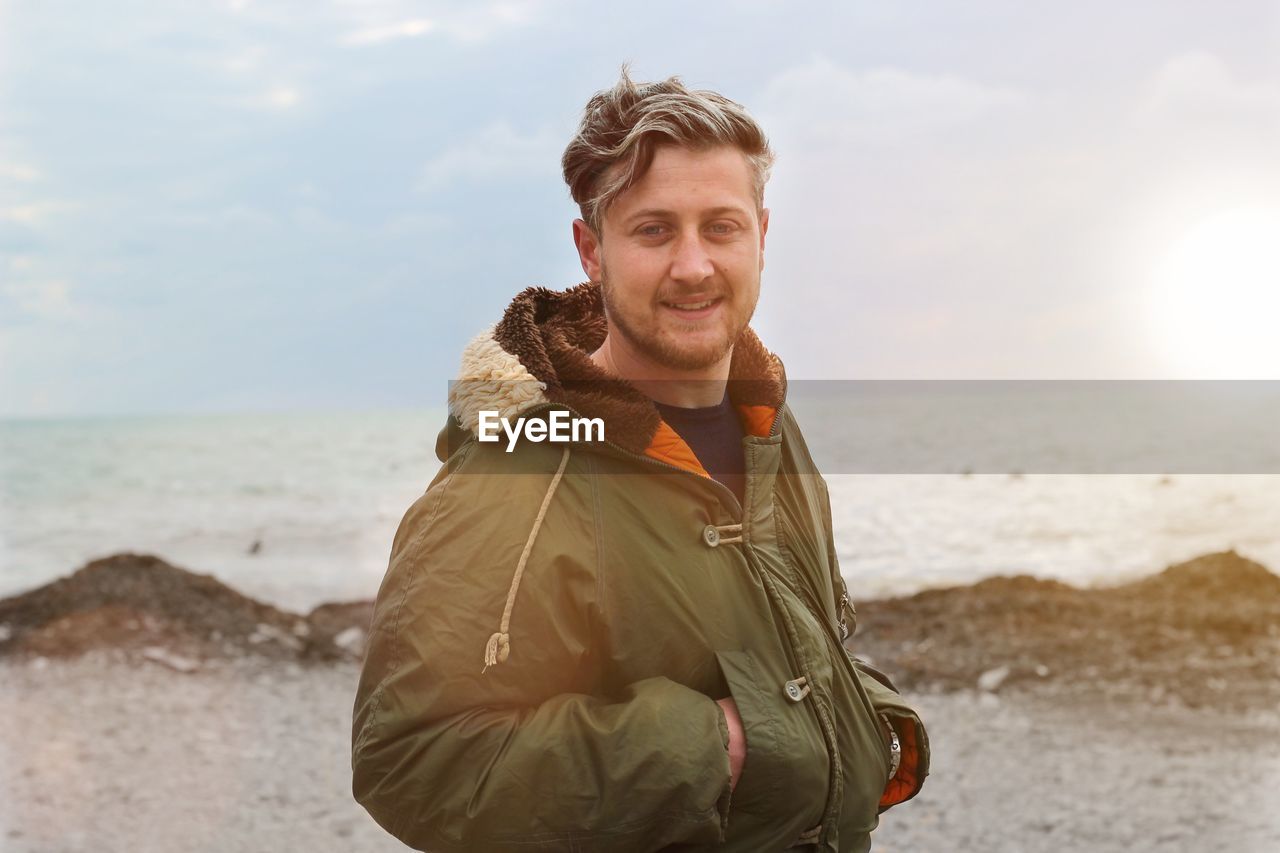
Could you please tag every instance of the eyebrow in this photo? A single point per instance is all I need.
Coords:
(670, 214)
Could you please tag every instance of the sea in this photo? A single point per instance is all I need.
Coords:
(297, 509)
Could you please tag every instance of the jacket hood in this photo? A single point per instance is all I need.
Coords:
(539, 353)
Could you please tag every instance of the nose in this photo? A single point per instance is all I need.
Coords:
(691, 263)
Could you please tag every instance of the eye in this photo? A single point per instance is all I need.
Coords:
(723, 228)
(651, 230)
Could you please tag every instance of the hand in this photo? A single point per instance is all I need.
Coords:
(737, 740)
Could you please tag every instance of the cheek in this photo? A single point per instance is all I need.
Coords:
(642, 277)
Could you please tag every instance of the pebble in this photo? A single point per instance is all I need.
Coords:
(164, 657)
(991, 680)
(351, 640)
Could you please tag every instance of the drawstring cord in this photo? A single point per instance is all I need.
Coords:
(499, 645)
(724, 529)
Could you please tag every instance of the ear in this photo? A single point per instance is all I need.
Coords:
(588, 249)
(764, 229)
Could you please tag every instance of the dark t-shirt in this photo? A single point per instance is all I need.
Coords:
(714, 434)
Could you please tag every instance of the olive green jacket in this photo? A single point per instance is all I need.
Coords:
(557, 621)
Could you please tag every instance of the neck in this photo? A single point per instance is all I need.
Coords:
(690, 389)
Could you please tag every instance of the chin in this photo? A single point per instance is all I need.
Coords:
(699, 357)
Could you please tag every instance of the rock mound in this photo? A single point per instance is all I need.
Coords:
(335, 617)
(343, 623)
(145, 607)
(1206, 631)
(1222, 576)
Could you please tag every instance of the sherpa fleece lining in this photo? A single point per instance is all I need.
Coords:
(540, 352)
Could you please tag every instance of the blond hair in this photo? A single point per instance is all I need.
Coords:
(623, 126)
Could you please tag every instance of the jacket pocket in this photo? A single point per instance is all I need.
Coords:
(786, 773)
(884, 698)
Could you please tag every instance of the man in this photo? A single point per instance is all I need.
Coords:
(633, 643)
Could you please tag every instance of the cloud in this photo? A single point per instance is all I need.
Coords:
(245, 61)
(481, 22)
(34, 292)
(36, 212)
(387, 32)
(837, 104)
(19, 172)
(1201, 80)
(950, 223)
(274, 98)
(473, 23)
(45, 299)
(232, 216)
(283, 97)
(1195, 101)
(496, 151)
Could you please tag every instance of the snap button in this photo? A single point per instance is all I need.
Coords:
(797, 688)
(711, 536)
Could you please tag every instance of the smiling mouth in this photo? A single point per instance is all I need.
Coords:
(692, 306)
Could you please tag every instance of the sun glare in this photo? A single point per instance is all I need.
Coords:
(1216, 299)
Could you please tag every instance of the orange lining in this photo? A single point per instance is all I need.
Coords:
(904, 783)
(667, 446)
(758, 420)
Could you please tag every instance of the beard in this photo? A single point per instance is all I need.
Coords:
(665, 352)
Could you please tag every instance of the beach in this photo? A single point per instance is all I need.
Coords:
(108, 756)
(151, 736)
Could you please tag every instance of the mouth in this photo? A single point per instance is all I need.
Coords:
(694, 310)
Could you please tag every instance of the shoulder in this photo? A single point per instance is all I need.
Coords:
(485, 496)
(794, 440)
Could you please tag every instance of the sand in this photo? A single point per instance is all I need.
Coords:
(150, 708)
(1028, 774)
(104, 755)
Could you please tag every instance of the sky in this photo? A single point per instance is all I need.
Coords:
(241, 206)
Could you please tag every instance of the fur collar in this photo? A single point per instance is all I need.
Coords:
(540, 353)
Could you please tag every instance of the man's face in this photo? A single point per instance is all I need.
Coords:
(679, 257)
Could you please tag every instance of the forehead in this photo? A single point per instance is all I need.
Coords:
(687, 180)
